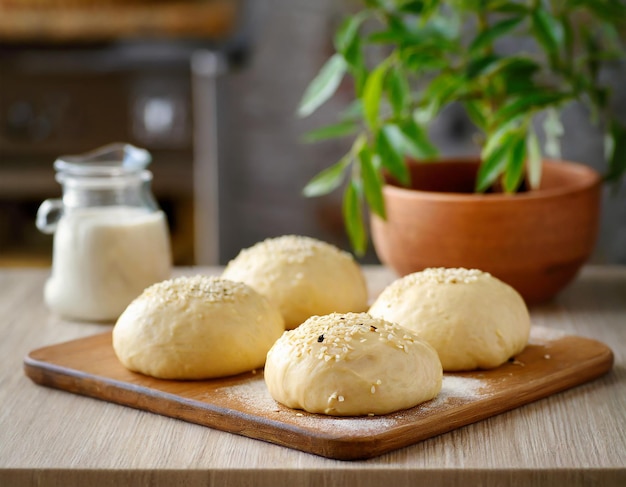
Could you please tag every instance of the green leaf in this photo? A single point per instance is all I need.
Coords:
(356, 65)
(568, 36)
(348, 43)
(487, 37)
(528, 103)
(411, 6)
(353, 218)
(491, 168)
(384, 37)
(372, 182)
(323, 85)
(482, 65)
(547, 29)
(495, 161)
(420, 145)
(442, 30)
(514, 75)
(327, 180)
(423, 58)
(348, 31)
(505, 7)
(396, 31)
(519, 84)
(514, 170)
(403, 143)
(441, 90)
(476, 113)
(534, 159)
(496, 138)
(608, 10)
(553, 130)
(398, 90)
(353, 112)
(617, 154)
(341, 129)
(391, 159)
(511, 67)
(372, 93)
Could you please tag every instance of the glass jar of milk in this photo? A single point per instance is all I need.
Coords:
(111, 240)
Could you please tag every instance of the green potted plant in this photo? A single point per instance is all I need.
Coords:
(509, 210)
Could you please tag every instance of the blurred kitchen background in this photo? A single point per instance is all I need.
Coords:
(210, 88)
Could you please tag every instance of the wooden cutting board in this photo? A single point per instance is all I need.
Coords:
(552, 362)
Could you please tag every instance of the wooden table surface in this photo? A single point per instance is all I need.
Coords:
(51, 437)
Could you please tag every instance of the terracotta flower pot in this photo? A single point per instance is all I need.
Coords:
(536, 241)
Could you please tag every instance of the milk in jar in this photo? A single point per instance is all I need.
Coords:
(111, 241)
(105, 257)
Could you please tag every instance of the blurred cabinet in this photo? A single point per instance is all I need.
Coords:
(73, 79)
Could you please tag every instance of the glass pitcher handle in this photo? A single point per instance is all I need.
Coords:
(48, 215)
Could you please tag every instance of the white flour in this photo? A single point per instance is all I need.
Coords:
(540, 335)
(254, 395)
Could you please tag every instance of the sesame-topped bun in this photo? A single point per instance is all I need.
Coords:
(351, 365)
(196, 328)
(472, 319)
(302, 276)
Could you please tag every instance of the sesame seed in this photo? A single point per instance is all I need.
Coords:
(299, 415)
(432, 276)
(373, 389)
(341, 399)
(210, 289)
(294, 249)
(340, 332)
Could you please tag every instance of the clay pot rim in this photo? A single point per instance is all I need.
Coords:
(590, 178)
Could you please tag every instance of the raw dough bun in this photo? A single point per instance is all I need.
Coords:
(472, 319)
(196, 328)
(302, 276)
(351, 365)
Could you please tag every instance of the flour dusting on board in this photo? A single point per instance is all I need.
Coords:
(253, 393)
(255, 396)
(458, 388)
(540, 335)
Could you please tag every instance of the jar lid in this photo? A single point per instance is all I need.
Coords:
(116, 159)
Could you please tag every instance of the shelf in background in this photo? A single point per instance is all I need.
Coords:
(213, 20)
